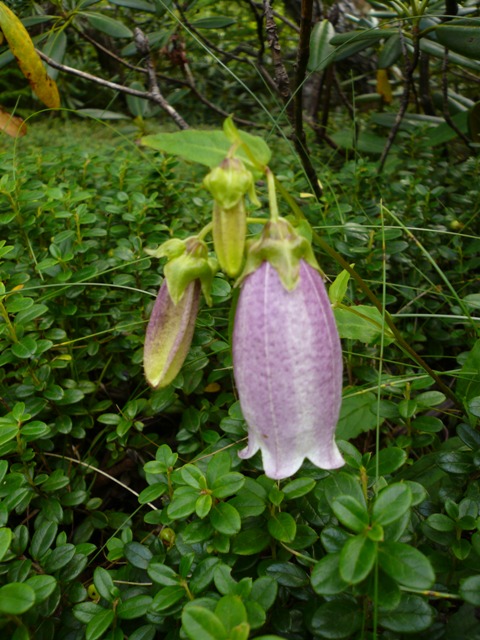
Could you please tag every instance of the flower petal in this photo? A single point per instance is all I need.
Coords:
(288, 369)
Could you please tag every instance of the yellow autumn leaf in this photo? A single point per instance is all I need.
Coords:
(12, 125)
(28, 60)
(383, 86)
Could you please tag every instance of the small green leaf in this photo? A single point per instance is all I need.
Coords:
(99, 624)
(231, 611)
(250, 542)
(351, 513)
(225, 519)
(104, 583)
(288, 574)
(206, 147)
(161, 574)
(391, 504)
(201, 624)
(134, 607)
(362, 323)
(16, 598)
(357, 559)
(387, 461)
(203, 505)
(282, 526)
(337, 619)
(406, 564)
(412, 615)
(326, 579)
(5, 540)
(167, 597)
(470, 590)
(298, 488)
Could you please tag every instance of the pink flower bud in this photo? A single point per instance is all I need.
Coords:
(287, 363)
(169, 334)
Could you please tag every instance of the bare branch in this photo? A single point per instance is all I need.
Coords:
(152, 96)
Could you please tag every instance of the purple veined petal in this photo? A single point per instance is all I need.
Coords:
(287, 362)
(169, 334)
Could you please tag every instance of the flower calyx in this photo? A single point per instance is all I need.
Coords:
(188, 260)
(283, 247)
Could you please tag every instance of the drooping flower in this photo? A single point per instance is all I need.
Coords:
(287, 364)
(169, 334)
(172, 322)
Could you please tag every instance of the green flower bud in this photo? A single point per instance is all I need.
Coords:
(229, 233)
(283, 247)
(228, 184)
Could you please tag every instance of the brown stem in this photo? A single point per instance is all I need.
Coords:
(145, 95)
(143, 47)
(410, 66)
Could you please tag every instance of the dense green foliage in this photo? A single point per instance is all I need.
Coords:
(125, 512)
(127, 509)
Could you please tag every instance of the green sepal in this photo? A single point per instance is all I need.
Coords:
(169, 249)
(281, 246)
(193, 263)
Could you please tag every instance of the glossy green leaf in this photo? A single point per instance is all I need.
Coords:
(351, 513)
(326, 579)
(337, 619)
(108, 25)
(412, 615)
(470, 590)
(231, 611)
(16, 598)
(391, 52)
(5, 540)
(225, 519)
(406, 564)
(282, 526)
(99, 624)
(461, 35)
(391, 504)
(321, 50)
(250, 542)
(386, 461)
(207, 147)
(135, 607)
(104, 583)
(201, 624)
(357, 559)
(167, 597)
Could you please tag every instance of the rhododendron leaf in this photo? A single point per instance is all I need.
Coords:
(28, 60)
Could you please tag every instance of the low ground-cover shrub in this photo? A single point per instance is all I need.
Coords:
(126, 512)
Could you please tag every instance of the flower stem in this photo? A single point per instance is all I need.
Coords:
(205, 231)
(272, 195)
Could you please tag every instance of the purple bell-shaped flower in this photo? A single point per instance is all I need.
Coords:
(287, 356)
